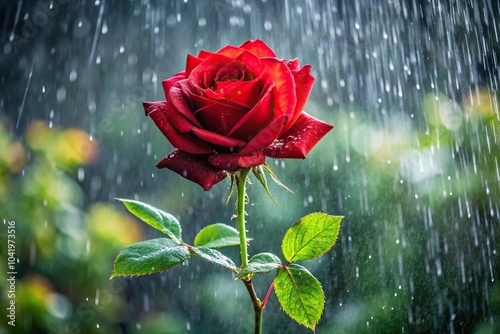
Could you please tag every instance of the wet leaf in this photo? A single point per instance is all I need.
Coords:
(217, 235)
(261, 263)
(156, 218)
(311, 236)
(216, 257)
(299, 294)
(147, 257)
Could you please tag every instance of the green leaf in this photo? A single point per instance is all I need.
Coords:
(299, 294)
(217, 235)
(147, 257)
(211, 255)
(154, 217)
(311, 236)
(261, 263)
(261, 176)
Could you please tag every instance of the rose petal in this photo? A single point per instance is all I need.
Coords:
(204, 75)
(195, 168)
(303, 85)
(244, 93)
(178, 120)
(258, 48)
(299, 139)
(185, 142)
(167, 84)
(147, 105)
(235, 162)
(191, 63)
(236, 70)
(177, 97)
(217, 116)
(211, 95)
(217, 139)
(210, 71)
(204, 54)
(230, 51)
(252, 62)
(284, 90)
(265, 137)
(293, 64)
(256, 119)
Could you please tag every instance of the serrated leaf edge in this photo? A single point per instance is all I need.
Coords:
(153, 272)
(298, 222)
(164, 230)
(313, 327)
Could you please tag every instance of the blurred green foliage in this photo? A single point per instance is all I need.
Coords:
(64, 249)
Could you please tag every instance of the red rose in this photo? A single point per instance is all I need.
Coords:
(233, 108)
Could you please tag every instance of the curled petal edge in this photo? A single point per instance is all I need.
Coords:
(158, 112)
(193, 167)
(299, 139)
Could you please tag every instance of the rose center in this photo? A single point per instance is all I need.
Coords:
(233, 71)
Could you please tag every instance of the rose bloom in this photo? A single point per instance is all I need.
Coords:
(231, 109)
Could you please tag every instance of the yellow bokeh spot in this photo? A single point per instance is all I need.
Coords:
(71, 147)
(75, 147)
(15, 157)
(39, 286)
(37, 134)
(480, 103)
(109, 223)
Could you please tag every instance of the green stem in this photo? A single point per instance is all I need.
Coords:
(256, 306)
(241, 178)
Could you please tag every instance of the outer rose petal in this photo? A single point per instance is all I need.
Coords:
(191, 63)
(230, 51)
(293, 64)
(177, 119)
(303, 85)
(284, 90)
(258, 48)
(204, 54)
(193, 167)
(185, 142)
(299, 139)
(235, 162)
(167, 84)
(178, 99)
